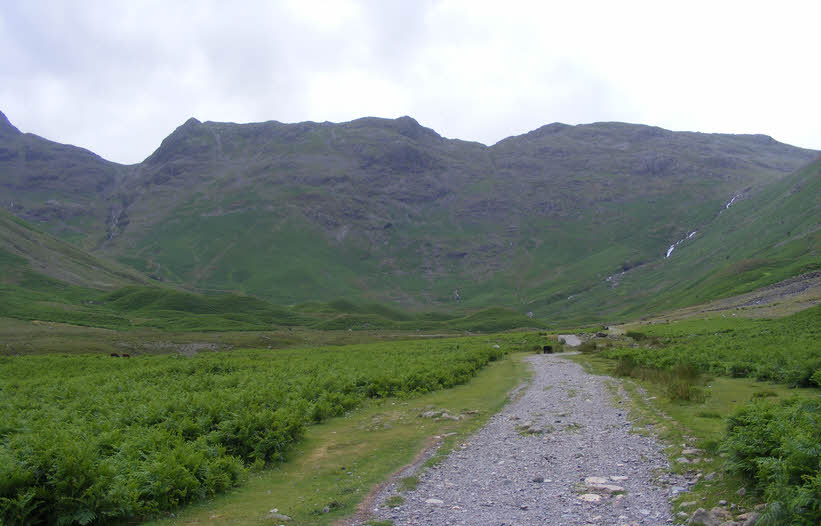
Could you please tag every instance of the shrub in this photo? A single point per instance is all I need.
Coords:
(682, 382)
(638, 336)
(587, 347)
(684, 390)
(776, 447)
(786, 350)
(625, 366)
(766, 393)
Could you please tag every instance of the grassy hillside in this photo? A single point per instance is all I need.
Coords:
(389, 212)
(766, 236)
(45, 279)
(381, 210)
(25, 251)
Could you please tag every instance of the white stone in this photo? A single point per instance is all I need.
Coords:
(434, 501)
(595, 480)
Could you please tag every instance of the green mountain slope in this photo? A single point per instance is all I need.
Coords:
(765, 237)
(45, 279)
(56, 185)
(387, 211)
(26, 250)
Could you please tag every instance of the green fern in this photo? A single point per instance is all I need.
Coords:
(91, 440)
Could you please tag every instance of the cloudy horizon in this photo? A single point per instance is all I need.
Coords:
(117, 78)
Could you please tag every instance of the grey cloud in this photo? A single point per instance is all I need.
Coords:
(118, 77)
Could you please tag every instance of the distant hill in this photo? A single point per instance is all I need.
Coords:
(388, 211)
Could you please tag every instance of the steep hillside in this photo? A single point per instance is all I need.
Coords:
(26, 251)
(752, 241)
(44, 278)
(57, 185)
(388, 211)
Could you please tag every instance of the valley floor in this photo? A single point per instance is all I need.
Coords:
(564, 453)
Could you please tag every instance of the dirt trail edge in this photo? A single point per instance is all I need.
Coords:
(563, 453)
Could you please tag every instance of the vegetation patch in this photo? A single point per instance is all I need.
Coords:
(574, 427)
(786, 350)
(394, 501)
(775, 447)
(92, 439)
(681, 382)
(408, 483)
(341, 460)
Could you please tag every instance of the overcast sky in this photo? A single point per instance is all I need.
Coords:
(117, 77)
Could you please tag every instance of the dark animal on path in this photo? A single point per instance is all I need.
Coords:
(126, 355)
(115, 355)
(547, 349)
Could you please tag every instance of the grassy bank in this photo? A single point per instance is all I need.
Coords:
(785, 350)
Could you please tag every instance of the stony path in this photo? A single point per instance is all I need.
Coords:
(562, 454)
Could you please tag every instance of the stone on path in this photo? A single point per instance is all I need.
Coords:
(605, 488)
(590, 497)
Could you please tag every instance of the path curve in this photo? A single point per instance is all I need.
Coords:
(533, 462)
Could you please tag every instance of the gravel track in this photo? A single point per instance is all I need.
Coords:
(528, 465)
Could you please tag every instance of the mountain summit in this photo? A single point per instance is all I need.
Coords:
(6, 128)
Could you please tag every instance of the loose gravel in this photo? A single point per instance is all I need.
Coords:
(561, 454)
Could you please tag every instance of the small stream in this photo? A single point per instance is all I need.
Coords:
(680, 241)
(672, 247)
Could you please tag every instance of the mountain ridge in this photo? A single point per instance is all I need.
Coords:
(389, 210)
